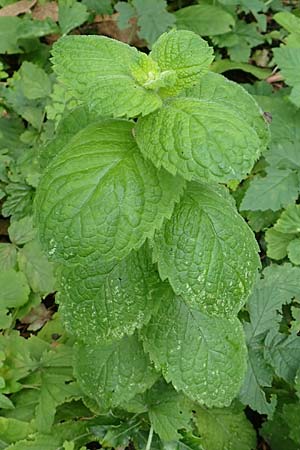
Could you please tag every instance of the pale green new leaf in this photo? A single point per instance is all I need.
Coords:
(186, 54)
(207, 252)
(103, 73)
(225, 429)
(101, 303)
(113, 373)
(99, 198)
(204, 19)
(274, 191)
(214, 87)
(205, 357)
(199, 140)
(293, 250)
(14, 290)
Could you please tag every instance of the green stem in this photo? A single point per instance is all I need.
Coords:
(149, 442)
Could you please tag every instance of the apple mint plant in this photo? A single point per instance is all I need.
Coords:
(154, 260)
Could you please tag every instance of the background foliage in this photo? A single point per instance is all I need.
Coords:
(257, 43)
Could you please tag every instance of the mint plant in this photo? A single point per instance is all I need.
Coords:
(154, 262)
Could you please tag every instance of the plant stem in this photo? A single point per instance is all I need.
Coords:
(148, 446)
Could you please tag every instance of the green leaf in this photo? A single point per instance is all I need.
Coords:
(223, 65)
(13, 30)
(36, 267)
(289, 221)
(199, 140)
(186, 54)
(216, 88)
(55, 390)
(282, 352)
(12, 430)
(207, 252)
(71, 14)
(9, 34)
(288, 60)
(277, 243)
(293, 250)
(113, 373)
(126, 12)
(107, 74)
(279, 285)
(103, 7)
(100, 174)
(290, 414)
(258, 376)
(153, 18)
(207, 366)
(35, 81)
(288, 21)
(14, 289)
(68, 126)
(8, 256)
(16, 361)
(204, 19)
(225, 429)
(274, 191)
(100, 303)
(272, 431)
(22, 231)
(5, 402)
(168, 411)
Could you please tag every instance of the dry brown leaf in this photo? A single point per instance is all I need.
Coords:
(41, 12)
(15, 9)
(108, 26)
(37, 317)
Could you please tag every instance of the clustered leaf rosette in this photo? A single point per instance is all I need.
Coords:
(155, 261)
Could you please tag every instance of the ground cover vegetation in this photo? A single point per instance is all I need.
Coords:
(150, 225)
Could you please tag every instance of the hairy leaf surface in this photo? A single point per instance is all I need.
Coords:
(102, 72)
(207, 252)
(99, 198)
(205, 357)
(216, 88)
(113, 373)
(185, 53)
(100, 303)
(199, 139)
